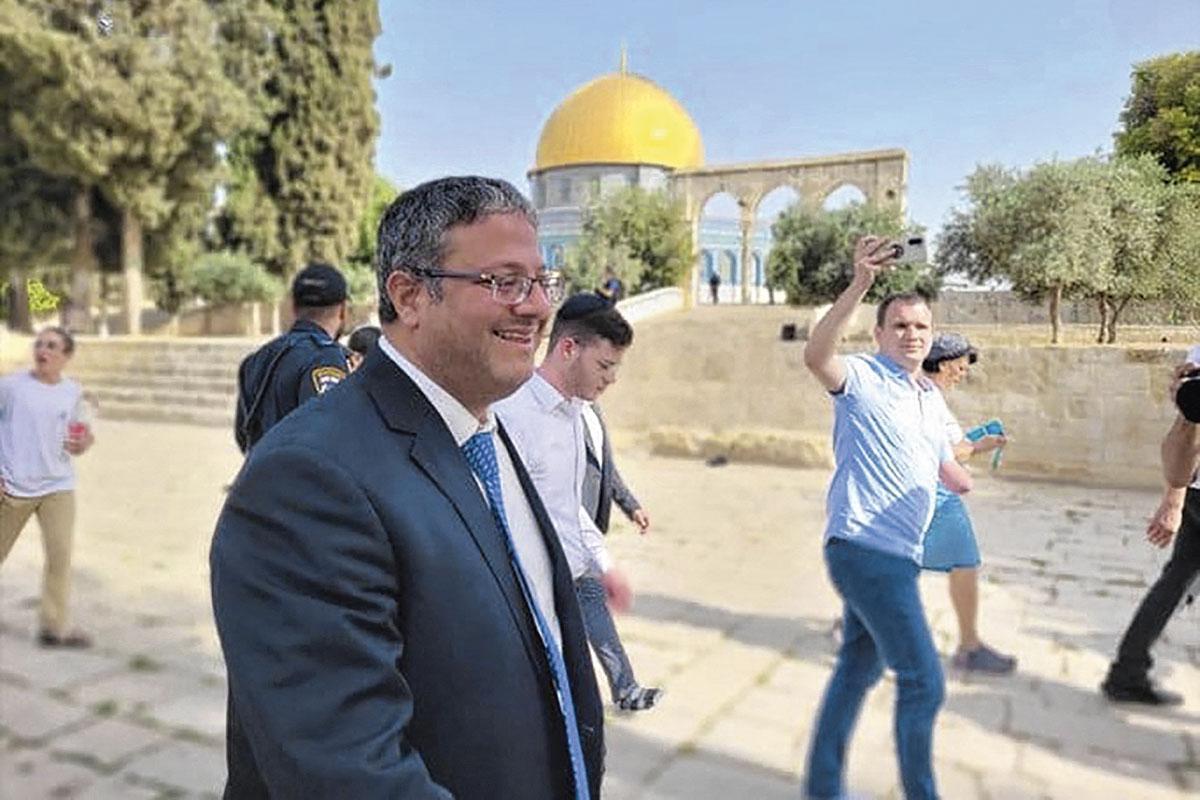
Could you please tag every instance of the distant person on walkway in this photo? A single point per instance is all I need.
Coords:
(397, 615)
(890, 450)
(950, 544)
(545, 418)
(359, 343)
(613, 287)
(1178, 518)
(714, 286)
(299, 365)
(43, 425)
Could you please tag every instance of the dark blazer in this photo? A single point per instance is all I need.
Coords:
(376, 638)
(602, 482)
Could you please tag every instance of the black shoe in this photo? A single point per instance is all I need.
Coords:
(1143, 692)
(75, 640)
(640, 698)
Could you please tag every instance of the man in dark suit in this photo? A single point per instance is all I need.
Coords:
(397, 616)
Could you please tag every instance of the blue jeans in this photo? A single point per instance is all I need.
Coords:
(602, 634)
(884, 624)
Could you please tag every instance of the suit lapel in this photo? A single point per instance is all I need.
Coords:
(570, 620)
(404, 407)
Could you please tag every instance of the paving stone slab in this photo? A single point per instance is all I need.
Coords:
(107, 742)
(29, 714)
(702, 776)
(116, 787)
(49, 668)
(201, 711)
(183, 765)
(135, 691)
(32, 774)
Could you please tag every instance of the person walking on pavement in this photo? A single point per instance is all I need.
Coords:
(890, 450)
(950, 544)
(1177, 517)
(545, 417)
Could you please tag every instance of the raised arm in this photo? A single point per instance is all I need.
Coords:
(872, 254)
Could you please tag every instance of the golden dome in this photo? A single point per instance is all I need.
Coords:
(620, 118)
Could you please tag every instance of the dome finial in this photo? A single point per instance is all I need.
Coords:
(624, 59)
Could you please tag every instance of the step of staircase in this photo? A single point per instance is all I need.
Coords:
(185, 381)
(179, 415)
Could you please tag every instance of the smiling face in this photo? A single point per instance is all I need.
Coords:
(476, 348)
(906, 334)
(50, 356)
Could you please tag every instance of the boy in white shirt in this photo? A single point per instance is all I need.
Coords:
(42, 426)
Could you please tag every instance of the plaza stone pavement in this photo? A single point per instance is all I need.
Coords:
(733, 617)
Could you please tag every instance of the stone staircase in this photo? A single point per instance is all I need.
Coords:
(191, 381)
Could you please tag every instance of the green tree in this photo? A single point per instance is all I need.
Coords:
(1048, 232)
(642, 236)
(1162, 114)
(299, 187)
(131, 100)
(1137, 193)
(812, 253)
(225, 278)
(1178, 250)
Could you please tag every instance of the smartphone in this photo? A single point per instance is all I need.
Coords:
(910, 250)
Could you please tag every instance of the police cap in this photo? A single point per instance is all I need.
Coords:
(319, 285)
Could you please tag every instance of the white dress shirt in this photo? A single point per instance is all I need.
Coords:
(595, 432)
(548, 429)
(522, 524)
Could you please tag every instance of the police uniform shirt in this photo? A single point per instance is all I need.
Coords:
(313, 362)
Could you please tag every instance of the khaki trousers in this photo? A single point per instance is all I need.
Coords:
(56, 517)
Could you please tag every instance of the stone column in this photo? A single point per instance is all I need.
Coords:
(747, 226)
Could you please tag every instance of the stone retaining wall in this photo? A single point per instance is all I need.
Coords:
(713, 381)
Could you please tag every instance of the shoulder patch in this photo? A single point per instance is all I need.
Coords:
(325, 377)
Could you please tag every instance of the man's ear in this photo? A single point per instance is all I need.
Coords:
(406, 292)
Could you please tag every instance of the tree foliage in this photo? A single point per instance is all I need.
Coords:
(1098, 228)
(642, 236)
(300, 184)
(812, 253)
(225, 278)
(1162, 114)
(128, 100)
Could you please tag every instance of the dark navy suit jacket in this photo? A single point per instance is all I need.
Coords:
(377, 641)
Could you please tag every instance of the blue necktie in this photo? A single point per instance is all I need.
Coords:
(480, 451)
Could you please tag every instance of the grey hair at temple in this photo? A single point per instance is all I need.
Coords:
(412, 232)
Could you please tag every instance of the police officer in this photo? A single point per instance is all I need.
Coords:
(299, 365)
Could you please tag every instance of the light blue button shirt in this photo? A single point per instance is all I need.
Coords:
(889, 438)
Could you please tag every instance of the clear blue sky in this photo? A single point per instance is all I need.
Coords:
(954, 82)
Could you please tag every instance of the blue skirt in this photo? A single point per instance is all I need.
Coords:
(950, 537)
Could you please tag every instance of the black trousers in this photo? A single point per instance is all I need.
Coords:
(1133, 655)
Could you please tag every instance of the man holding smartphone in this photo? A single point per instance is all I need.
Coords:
(890, 450)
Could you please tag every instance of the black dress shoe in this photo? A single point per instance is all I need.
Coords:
(1145, 693)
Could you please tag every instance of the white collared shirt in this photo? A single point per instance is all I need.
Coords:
(548, 429)
(595, 432)
(527, 537)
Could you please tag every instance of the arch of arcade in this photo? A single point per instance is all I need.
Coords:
(881, 175)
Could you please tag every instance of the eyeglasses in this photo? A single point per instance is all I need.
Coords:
(46, 344)
(509, 290)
